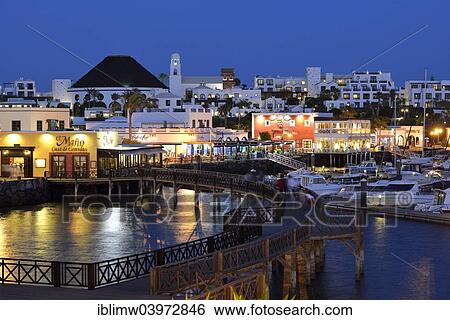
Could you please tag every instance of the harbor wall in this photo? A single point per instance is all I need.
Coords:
(24, 192)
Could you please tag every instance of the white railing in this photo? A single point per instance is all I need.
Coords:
(286, 161)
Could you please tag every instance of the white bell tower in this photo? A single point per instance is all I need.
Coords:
(175, 75)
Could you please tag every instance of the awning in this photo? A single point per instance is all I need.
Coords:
(135, 150)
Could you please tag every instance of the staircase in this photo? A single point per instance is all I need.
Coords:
(286, 161)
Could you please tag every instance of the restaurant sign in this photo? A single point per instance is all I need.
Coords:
(69, 144)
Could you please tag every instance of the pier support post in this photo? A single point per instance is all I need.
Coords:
(287, 274)
(312, 261)
(302, 274)
(110, 187)
(318, 248)
(359, 243)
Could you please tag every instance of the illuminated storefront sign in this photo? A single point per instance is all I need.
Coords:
(69, 144)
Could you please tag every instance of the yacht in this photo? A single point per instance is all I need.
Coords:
(440, 203)
(310, 180)
(405, 193)
(366, 167)
(348, 179)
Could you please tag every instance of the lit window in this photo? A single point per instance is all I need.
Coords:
(307, 143)
(267, 123)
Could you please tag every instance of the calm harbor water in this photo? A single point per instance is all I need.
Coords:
(410, 261)
(39, 232)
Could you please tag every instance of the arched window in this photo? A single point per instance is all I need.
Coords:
(226, 96)
(217, 96)
(417, 141)
(400, 140)
(202, 97)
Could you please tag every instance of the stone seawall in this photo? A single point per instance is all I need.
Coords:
(23, 192)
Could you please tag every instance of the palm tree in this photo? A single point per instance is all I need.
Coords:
(225, 109)
(92, 95)
(114, 105)
(132, 100)
(379, 96)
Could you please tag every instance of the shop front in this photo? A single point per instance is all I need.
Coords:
(16, 162)
(62, 154)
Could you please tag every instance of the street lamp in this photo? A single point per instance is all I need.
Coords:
(404, 111)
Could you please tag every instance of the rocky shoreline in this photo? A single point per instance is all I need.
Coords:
(24, 192)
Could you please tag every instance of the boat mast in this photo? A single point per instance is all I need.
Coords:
(424, 105)
(393, 96)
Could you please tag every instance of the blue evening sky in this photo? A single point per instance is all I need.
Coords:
(256, 37)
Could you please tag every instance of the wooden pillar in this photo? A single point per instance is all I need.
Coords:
(154, 281)
(76, 189)
(318, 253)
(110, 187)
(261, 284)
(218, 267)
(287, 274)
(359, 244)
(302, 274)
(312, 261)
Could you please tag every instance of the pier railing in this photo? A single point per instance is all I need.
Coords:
(113, 271)
(206, 271)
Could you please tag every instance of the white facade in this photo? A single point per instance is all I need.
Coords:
(410, 137)
(20, 88)
(78, 94)
(276, 84)
(435, 91)
(313, 77)
(237, 94)
(341, 135)
(60, 89)
(25, 115)
(183, 85)
(188, 116)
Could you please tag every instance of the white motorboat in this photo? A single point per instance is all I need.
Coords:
(310, 180)
(404, 193)
(366, 167)
(440, 203)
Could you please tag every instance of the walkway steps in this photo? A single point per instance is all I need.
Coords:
(286, 161)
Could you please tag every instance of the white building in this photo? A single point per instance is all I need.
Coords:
(18, 114)
(277, 84)
(20, 88)
(409, 137)
(188, 116)
(360, 89)
(60, 89)
(182, 86)
(415, 92)
(334, 136)
(113, 76)
(204, 93)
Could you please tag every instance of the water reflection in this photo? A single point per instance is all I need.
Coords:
(409, 261)
(40, 233)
